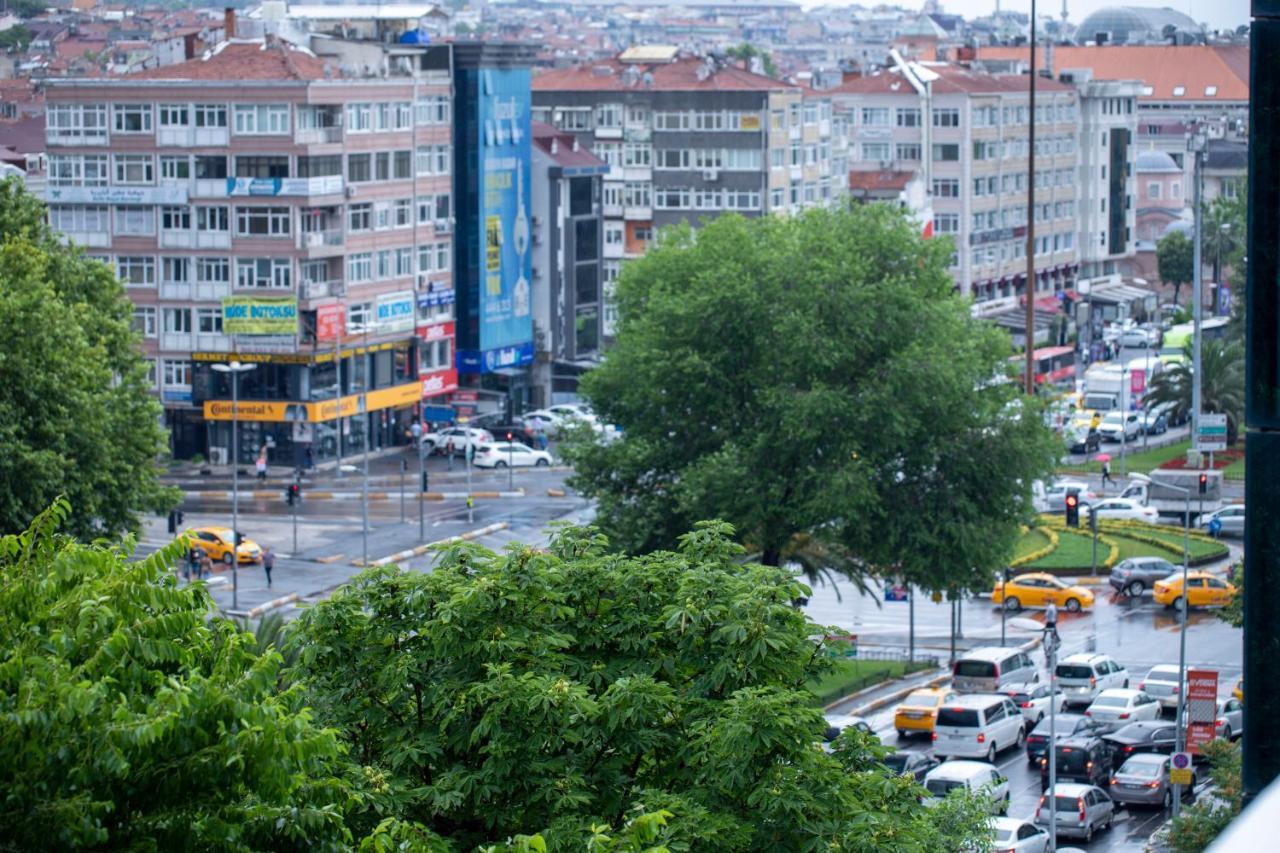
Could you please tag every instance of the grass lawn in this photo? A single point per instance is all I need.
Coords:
(1198, 548)
(1031, 541)
(851, 675)
(1234, 471)
(1074, 550)
(1135, 461)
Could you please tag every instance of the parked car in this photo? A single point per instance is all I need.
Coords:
(1116, 423)
(919, 710)
(1157, 736)
(987, 669)
(914, 764)
(1138, 574)
(1037, 589)
(1034, 700)
(979, 725)
(1120, 706)
(1154, 423)
(1055, 494)
(216, 542)
(1065, 726)
(1082, 439)
(513, 453)
(1163, 685)
(837, 723)
(1083, 676)
(1230, 720)
(1084, 759)
(460, 436)
(1122, 509)
(1203, 590)
(500, 428)
(1013, 835)
(971, 776)
(1138, 338)
(1143, 780)
(1081, 809)
(1230, 520)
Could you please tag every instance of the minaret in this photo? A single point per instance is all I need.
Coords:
(1064, 12)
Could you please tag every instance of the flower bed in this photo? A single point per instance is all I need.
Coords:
(1221, 459)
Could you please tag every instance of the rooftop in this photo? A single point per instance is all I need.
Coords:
(861, 182)
(243, 60)
(687, 73)
(564, 148)
(952, 79)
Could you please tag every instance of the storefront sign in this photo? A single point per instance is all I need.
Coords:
(980, 238)
(284, 186)
(260, 315)
(117, 195)
(327, 410)
(257, 357)
(331, 322)
(176, 396)
(324, 410)
(1202, 708)
(438, 293)
(394, 312)
(394, 398)
(254, 410)
(440, 382)
(437, 332)
(470, 361)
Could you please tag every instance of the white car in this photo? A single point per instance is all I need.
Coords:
(460, 436)
(558, 417)
(1083, 676)
(1115, 422)
(1230, 720)
(1014, 835)
(1162, 684)
(513, 453)
(970, 776)
(1055, 495)
(1119, 706)
(837, 723)
(1034, 700)
(1126, 509)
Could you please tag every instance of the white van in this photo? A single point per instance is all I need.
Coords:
(1083, 676)
(989, 669)
(978, 726)
(972, 776)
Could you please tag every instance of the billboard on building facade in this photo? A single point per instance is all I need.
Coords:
(506, 264)
(260, 315)
(395, 312)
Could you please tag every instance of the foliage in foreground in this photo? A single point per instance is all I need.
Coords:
(1201, 823)
(816, 382)
(558, 690)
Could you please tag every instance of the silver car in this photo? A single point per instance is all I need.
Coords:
(1230, 722)
(1231, 519)
(1082, 809)
(1163, 684)
(1143, 780)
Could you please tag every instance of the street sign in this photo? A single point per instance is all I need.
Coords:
(1202, 708)
(1211, 433)
(896, 593)
(1137, 381)
(1180, 772)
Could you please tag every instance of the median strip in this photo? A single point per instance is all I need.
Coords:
(422, 549)
(274, 603)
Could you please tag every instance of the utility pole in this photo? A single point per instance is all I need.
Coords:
(1197, 279)
(235, 368)
(1030, 289)
(1051, 643)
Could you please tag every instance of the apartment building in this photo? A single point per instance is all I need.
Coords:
(1107, 184)
(265, 204)
(688, 138)
(967, 133)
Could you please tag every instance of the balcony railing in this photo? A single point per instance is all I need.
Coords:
(318, 239)
(317, 135)
(321, 289)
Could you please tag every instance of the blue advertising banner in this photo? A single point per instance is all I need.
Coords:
(505, 316)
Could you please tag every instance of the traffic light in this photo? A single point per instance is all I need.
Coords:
(424, 482)
(509, 435)
(1073, 510)
(1204, 483)
(293, 494)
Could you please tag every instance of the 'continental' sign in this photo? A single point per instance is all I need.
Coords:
(395, 397)
(259, 315)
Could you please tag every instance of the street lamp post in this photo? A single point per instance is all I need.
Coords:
(1196, 144)
(1050, 642)
(235, 368)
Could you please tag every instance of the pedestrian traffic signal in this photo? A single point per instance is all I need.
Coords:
(293, 494)
(1073, 510)
(1204, 483)
(424, 481)
(509, 435)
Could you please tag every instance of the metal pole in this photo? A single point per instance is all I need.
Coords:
(1051, 656)
(1196, 295)
(1030, 289)
(1003, 609)
(364, 527)
(295, 519)
(235, 485)
(471, 517)
(1093, 525)
(337, 393)
(1182, 645)
(953, 632)
(511, 465)
(960, 616)
(404, 465)
(911, 623)
(1124, 422)
(422, 494)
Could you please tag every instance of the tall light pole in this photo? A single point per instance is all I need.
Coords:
(364, 435)
(1196, 144)
(1030, 289)
(235, 368)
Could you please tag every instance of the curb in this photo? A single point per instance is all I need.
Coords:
(555, 493)
(1090, 580)
(373, 496)
(422, 549)
(274, 603)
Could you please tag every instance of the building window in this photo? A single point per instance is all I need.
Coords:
(262, 119)
(946, 117)
(432, 159)
(79, 218)
(1153, 191)
(359, 267)
(136, 271)
(78, 170)
(132, 118)
(636, 194)
(613, 234)
(175, 168)
(609, 115)
(133, 220)
(135, 169)
(213, 219)
(175, 218)
(907, 151)
(433, 109)
(177, 373)
(262, 221)
(575, 119)
(875, 116)
(908, 116)
(274, 273)
(177, 321)
(637, 154)
(175, 115)
(359, 168)
(262, 166)
(144, 321)
(946, 187)
(671, 121)
(213, 270)
(77, 121)
(175, 270)
(946, 223)
(946, 152)
(877, 152)
(211, 167)
(209, 321)
(211, 115)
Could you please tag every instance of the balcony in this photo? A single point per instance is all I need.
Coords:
(175, 342)
(211, 291)
(212, 342)
(321, 289)
(320, 239)
(317, 135)
(209, 188)
(89, 239)
(213, 240)
(177, 239)
(53, 138)
(177, 290)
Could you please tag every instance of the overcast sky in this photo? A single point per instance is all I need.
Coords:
(1218, 14)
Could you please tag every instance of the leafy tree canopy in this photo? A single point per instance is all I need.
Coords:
(560, 691)
(815, 381)
(1221, 383)
(747, 51)
(76, 418)
(1174, 260)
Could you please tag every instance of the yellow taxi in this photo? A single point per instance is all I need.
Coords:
(919, 711)
(1239, 691)
(1203, 590)
(216, 542)
(1037, 590)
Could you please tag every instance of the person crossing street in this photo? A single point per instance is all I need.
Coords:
(268, 562)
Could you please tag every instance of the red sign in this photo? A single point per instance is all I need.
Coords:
(438, 332)
(440, 382)
(1137, 381)
(331, 321)
(465, 396)
(1202, 707)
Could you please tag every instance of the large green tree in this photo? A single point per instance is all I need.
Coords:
(129, 720)
(560, 690)
(1221, 383)
(815, 381)
(76, 418)
(1174, 260)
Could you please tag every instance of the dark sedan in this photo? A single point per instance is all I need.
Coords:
(1139, 574)
(1083, 441)
(1065, 726)
(914, 764)
(1154, 736)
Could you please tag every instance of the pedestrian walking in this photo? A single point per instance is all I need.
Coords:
(206, 565)
(448, 452)
(191, 565)
(311, 459)
(540, 433)
(1106, 473)
(262, 466)
(1051, 616)
(268, 562)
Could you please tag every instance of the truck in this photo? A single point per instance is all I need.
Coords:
(1106, 386)
(1156, 491)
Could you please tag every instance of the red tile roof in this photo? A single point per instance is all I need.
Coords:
(565, 152)
(1162, 67)
(953, 79)
(680, 75)
(243, 60)
(873, 181)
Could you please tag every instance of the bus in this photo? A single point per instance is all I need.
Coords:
(1172, 350)
(1053, 365)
